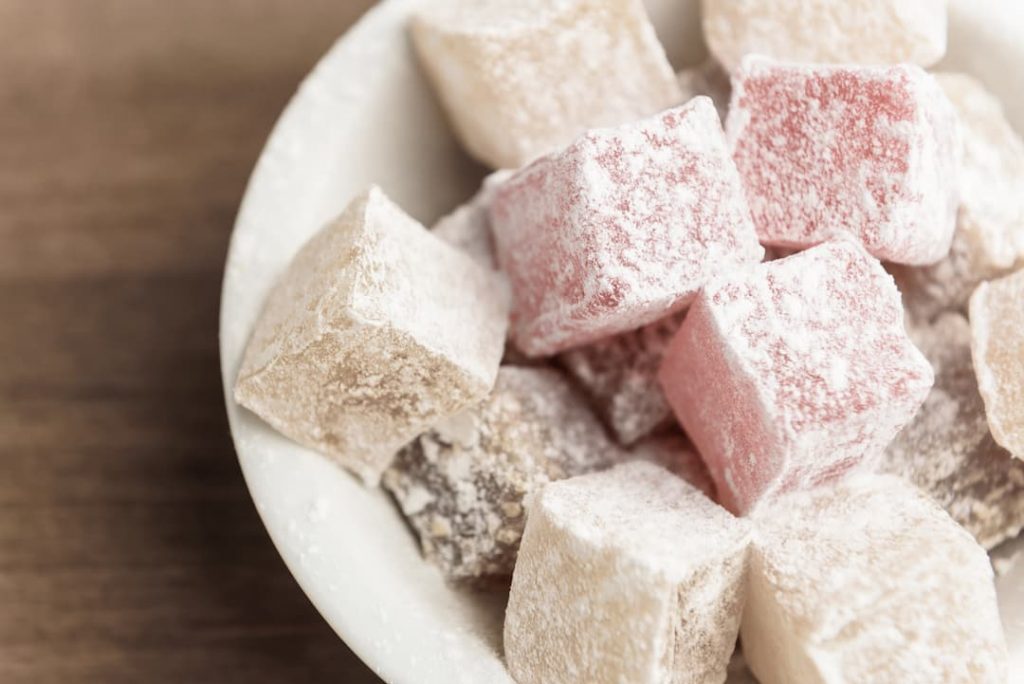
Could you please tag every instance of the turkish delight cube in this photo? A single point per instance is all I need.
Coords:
(376, 330)
(997, 348)
(947, 450)
(849, 31)
(620, 229)
(463, 486)
(630, 575)
(989, 238)
(520, 78)
(792, 372)
(869, 581)
(870, 151)
(620, 374)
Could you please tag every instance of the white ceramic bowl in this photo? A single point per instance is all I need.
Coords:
(365, 115)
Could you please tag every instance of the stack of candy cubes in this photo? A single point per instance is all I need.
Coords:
(736, 354)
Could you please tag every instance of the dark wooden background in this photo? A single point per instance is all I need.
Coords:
(129, 548)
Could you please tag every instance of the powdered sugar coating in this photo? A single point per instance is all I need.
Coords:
(792, 372)
(869, 581)
(376, 330)
(630, 575)
(947, 450)
(675, 453)
(621, 376)
(463, 486)
(520, 78)
(620, 229)
(989, 239)
(844, 31)
(997, 349)
(870, 151)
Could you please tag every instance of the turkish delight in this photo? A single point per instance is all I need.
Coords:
(997, 348)
(870, 151)
(947, 450)
(520, 78)
(849, 31)
(377, 330)
(869, 581)
(620, 229)
(989, 238)
(469, 226)
(630, 575)
(620, 374)
(463, 485)
(792, 372)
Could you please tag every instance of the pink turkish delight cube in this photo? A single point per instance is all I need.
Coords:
(790, 373)
(870, 151)
(621, 228)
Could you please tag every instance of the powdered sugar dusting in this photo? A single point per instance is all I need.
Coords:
(997, 345)
(843, 586)
(620, 375)
(794, 371)
(845, 31)
(620, 229)
(645, 514)
(989, 239)
(364, 342)
(519, 79)
(947, 450)
(870, 151)
(469, 226)
(629, 575)
(464, 485)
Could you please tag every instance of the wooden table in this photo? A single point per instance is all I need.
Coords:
(129, 548)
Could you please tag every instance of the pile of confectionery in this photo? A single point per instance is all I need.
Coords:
(683, 382)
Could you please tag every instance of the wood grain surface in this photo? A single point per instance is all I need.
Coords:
(129, 548)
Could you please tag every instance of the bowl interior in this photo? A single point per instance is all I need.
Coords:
(365, 115)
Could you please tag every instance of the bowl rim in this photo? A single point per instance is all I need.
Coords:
(345, 626)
